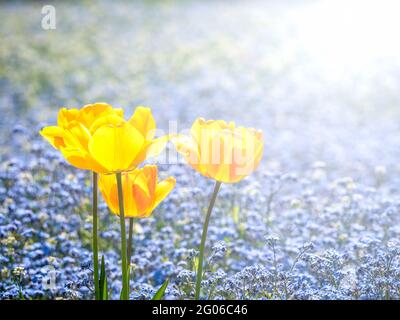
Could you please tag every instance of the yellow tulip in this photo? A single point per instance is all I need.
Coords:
(142, 192)
(221, 151)
(97, 137)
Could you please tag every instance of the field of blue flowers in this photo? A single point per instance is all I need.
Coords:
(320, 217)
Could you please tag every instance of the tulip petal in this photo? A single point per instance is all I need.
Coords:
(163, 189)
(65, 116)
(78, 135)
(142, 202)
(113, 198)
(110, 119)
(220, 171)
(143, 121)
(183, 144)
(140, 189)
(150, 173)
(221, 151)
(140, 180)
(156, 146)
(54, 135)
(77, 158)
(90, 112)
(197, 128)
(129, 197)
(108, 188)
(116, 146)
(189, 149)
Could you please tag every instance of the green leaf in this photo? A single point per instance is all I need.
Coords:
(160, 293)
(103, 281)
(20, 295)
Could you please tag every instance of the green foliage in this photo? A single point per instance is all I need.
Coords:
(103, 281)
(160, 292)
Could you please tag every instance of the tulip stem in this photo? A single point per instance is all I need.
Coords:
(94, 238)
(125, 287)
(130, 240)
(203, 240)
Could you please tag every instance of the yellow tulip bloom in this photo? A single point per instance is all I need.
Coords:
(97, 137)
(221, 151)
(142, 192)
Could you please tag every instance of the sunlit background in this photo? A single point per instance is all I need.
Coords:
(319, 77)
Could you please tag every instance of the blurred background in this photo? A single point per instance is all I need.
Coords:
(321, 78)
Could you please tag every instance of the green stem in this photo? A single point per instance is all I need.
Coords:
(125, 288)
(203, 240)
(130, 240)
(94, 238)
